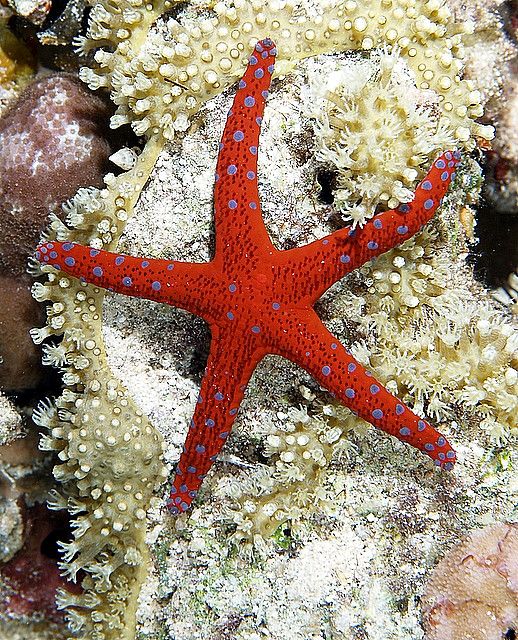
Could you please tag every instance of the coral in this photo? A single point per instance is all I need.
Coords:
(447, 350)
(29, 581)
(377, 131)
(160, 85)
(312, 437)
(110, 456)
(473, 592)
(489, 51)
(52, 142)
(147, 77)
(236, 292)
(20, 367)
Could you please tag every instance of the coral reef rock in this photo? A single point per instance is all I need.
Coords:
(473, 592)
(10, 421)
(28, 582)
(16, 66)
(162, 63)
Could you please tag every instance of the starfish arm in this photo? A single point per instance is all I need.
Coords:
(327, 260)
(231, 362)
(319, 352)
(159, 280)
(237, 210)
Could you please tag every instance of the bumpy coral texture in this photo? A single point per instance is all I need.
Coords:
(159, 87)
(449, 349)
(314, 435)
(473, 592)
(160, 73)
(52, 142)
(110, 456)
(253, 303)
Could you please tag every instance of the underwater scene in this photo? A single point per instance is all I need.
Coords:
(258, 320)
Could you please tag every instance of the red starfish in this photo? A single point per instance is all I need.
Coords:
(259, 300)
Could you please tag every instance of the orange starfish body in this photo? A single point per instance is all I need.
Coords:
(258, 299)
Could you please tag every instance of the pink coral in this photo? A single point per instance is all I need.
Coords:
(52, 141)
(473, 592)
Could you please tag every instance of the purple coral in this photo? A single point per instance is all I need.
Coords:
(52, 141)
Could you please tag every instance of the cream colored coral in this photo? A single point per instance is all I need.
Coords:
(109, 454)
(159, 76)
(407, 277)
(379, 132)
(160, 82)
(473, 592)
(435, 347)
(294, 487)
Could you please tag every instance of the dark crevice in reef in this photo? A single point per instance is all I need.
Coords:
(510, 634)
(509, 13)
(29, 580)
(50, 546)
(326, 178)
(495, 255)
(194, 367)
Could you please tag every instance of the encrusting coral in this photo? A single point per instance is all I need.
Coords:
(160, 73)
(53, 141)
(473, 592)
(110, 454)
(434, 344)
